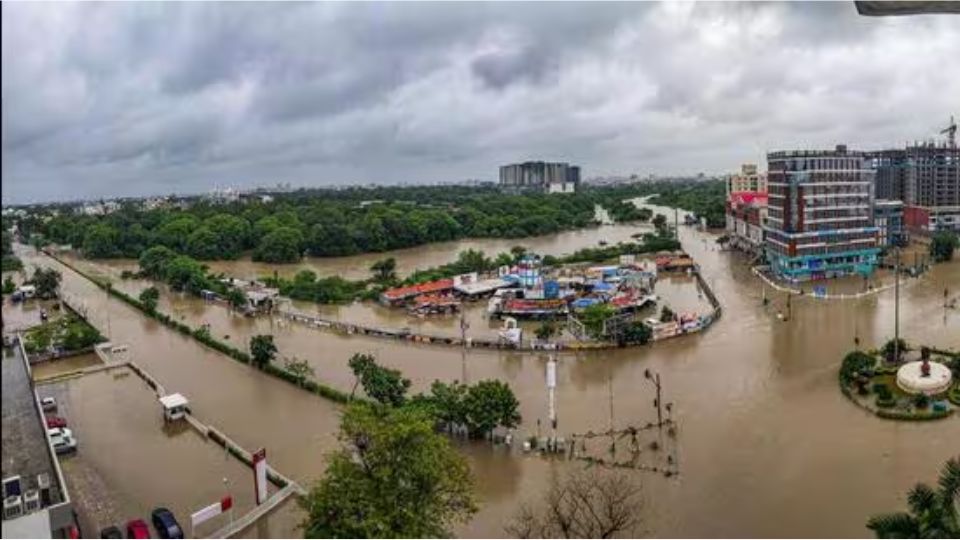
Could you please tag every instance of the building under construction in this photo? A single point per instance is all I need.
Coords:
(926, 177)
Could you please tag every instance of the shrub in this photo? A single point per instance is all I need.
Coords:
(855, 362)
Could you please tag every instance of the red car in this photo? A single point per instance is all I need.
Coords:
(137, 528)
(56, 422)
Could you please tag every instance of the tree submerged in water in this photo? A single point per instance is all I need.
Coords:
(594, 504)
(394, 477)
(932, 511)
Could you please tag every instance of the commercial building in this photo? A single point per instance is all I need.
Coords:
(820, 214)
(746, 214)
(540, 176)
(926, 177)
(888, 218)
(749, 179)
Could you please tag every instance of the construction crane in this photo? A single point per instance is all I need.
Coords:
(951, 132)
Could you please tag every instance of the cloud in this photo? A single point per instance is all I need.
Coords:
(138, 98)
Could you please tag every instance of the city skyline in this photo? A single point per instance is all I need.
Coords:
(183, 98)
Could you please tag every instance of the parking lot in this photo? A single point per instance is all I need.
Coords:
(129, 461)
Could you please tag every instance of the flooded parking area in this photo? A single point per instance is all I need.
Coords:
(130, 461)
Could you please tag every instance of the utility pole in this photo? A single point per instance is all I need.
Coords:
(896, 310)
(676, 223)
(655, 379)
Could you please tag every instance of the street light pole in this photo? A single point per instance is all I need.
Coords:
(896, 310)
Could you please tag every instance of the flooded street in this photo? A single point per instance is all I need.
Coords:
(768, 446)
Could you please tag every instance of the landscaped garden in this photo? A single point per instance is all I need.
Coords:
(60, 335)
(902, 382)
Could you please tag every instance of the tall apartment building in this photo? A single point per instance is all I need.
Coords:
(926, 177)
(820, 214)
(540, 176)
(749, 179)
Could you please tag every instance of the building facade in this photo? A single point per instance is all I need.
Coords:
(746, 215)
(820, 214)
(888, 218)
(540, 176)
(749, 179)
(926, 177)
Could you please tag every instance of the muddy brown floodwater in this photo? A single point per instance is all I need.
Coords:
(767, 444)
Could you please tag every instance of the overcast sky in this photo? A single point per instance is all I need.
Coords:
(125, 99)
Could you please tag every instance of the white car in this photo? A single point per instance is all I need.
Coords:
(62, 440)
(48, 404)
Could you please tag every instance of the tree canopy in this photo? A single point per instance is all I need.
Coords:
(932, 511)
(394, 477)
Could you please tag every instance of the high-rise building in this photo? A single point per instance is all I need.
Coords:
(749, 179)
(540, 176)
(820, 214)
(926, 177)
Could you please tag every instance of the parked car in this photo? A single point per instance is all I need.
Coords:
(111, 532)
(48, 404)
(166, 524)
(137, 528)
(62, 440)
(56, 422)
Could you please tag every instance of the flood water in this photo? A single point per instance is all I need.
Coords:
(767, 444)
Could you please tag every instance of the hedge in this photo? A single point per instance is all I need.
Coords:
(900, 415)
(314, 387)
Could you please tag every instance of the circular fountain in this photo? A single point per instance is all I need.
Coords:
(924, 377)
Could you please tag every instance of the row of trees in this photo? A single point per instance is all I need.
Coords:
(344, 222)
(10, 261)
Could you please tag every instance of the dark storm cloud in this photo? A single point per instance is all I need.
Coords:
(103, 99)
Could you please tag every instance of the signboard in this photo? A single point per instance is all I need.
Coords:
(211, 511)
(260, 474)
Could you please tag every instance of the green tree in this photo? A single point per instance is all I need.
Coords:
(660, 222)
(185, 274)
(232, 234)
(595, 316)
(489, 404)
(394, 477)
(175, 233)
(236, 298)
(637, 333)
(153, 261)
(281, 245)
(204, 244)
(300, 369)
(262, 349)
(47, 282)
(943, 245)
(101, 241)
(894, 345)
(80, 335)
(385, 270)
(932, 512)
(8, 285)
(546, 330)
(447, 402)
(149, 298)
(667, 314)
(384, 385)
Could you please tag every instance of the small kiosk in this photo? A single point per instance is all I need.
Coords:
(174, 407)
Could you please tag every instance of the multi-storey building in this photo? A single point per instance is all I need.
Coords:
(926, 177)
(749, 179)
(540, 176)
(746, 214)
(888, 218)
(820, 214)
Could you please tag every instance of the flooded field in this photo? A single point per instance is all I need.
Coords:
(766, 440)
(129, 461)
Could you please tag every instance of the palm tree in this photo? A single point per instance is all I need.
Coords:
(933, 512)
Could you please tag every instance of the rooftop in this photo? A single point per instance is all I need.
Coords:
(26, 451)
